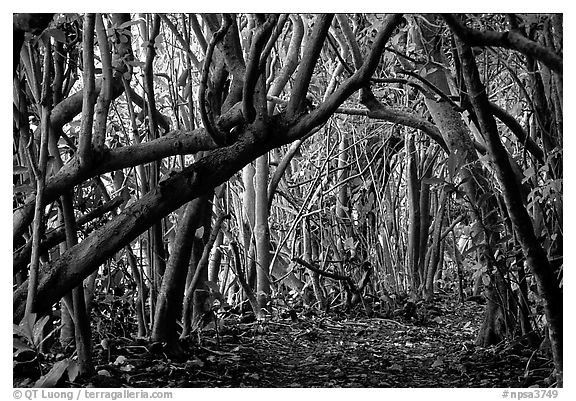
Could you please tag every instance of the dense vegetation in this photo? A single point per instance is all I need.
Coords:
(174, 173)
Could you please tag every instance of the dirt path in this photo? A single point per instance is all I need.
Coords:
(328, 352)
(436, 350)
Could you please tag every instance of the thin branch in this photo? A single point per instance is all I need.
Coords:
(403, 117)
(518, 131)
(89, 91)
(272, 40)
(509, 40)
(324, 273)
(252, 67)
(198, 32)
(339, 56)
(352, 84)
(434, 88)
(291, 59)
(296, 104)
(53, 237)
(40, 171)
(105, 96)
(179, 38)
(352, 43)
(149, 76)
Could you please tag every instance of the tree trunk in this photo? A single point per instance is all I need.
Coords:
(413, 205)
(169, 301)
(262, 231)
(435, 248)
(535, 256)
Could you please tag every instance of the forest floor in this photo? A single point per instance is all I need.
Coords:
(330, 350)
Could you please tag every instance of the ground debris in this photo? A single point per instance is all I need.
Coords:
(324, 350)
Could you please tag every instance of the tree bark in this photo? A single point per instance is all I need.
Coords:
(536, 258)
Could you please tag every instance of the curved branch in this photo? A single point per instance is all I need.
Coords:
(283, 165)
(252, 67)
(343, 62)
(194, 181)
(296, 104)
(149, 76)
(88, 92)
(71, 174)
(352, 43)
(180, 39)
(52, 238)
(434, 88)
(518, 131)
(291, 59)
(351, 85)
(105, 95)
(273, 38)
(393, 115)
(162, 121)
(198, 32)
(509, 40)
(324, 273)
(206, 119)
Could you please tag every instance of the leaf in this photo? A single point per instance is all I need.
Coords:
(25, 189)
(73, 370)
(121, 360)
(39, 329)
(20, 345)
(129, 23)
(349, 244)
(433, 181)
(528, 174)
(200, 232)
(57, 34)
(19, 170)
(51, 378)
(438, 362)
(25, 327)
(212, 285)
(20, 331)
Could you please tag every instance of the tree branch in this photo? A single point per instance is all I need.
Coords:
(88, 92)
(509, 40)
(296, 104)
(253, 67)
(291, 59)
(81, 260)
(206, 118)
(518, 131)
(55, 236)
(321, 114)
(105, 95)
(174, 143)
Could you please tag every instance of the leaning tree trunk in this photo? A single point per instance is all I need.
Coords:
(170, 296)
(536, 258)
(457, 137)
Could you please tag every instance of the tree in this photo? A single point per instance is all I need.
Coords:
(206, 127)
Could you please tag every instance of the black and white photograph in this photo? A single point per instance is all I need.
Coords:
(287, 200)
